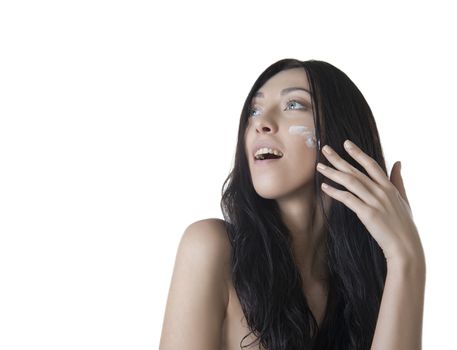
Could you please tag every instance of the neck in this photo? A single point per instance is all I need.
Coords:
(304, 220)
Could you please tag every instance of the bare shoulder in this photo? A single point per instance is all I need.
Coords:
(198, 295)
(210, 230)
(207, 239)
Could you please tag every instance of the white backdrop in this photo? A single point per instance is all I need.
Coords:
(118, 124)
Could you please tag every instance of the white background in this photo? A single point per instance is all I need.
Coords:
(118, 127)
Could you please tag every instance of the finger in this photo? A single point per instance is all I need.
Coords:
(337, 161)
(370, 165)
(345, 197)
(349, 181)
(342, 165)
(397, 180)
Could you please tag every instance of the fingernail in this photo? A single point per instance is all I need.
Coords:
(348, 144)
(327, 149)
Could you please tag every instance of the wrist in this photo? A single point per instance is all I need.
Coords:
(407, 265)
(407, 259)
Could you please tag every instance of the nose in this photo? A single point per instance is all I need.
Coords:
(265, 123)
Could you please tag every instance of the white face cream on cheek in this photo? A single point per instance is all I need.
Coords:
(306, 132)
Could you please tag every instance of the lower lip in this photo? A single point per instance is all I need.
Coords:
(266, 161)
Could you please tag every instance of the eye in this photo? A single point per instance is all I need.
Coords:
(287, 104)
(251, 109)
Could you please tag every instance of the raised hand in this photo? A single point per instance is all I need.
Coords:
(380, 203)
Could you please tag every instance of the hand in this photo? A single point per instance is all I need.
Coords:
(380, 204)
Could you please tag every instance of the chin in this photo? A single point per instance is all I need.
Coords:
(272, 192)
(269, 192)
(277, 192)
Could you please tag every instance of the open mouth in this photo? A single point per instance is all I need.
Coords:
(266, 156)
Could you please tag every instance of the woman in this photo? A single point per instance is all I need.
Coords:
(297, 264)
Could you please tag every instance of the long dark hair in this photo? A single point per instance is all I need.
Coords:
(264, 274)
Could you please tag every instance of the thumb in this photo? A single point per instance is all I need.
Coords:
(397, 180)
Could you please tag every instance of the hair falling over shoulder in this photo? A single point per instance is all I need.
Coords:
(265, 277)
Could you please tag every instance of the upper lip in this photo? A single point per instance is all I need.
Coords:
(264, 144)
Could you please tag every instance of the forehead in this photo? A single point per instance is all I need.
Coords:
(294, 77)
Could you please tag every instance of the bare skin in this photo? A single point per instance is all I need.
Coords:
(378, 200)
(290, 180)
(235, 326)
(290, 183)
(207, 315)
(193, 313)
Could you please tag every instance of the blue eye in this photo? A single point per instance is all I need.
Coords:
(296, 102)
(253, 109)
(250, 110)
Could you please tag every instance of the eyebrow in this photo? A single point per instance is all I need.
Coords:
(284, 91)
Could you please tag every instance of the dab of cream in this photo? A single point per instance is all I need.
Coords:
(307, 133)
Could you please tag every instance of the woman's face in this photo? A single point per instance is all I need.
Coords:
(282, 117)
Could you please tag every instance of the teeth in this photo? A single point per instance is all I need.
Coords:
(268, 150)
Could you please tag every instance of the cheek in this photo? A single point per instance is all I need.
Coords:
(304, 132)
